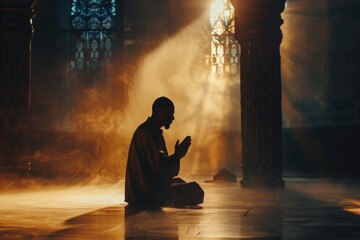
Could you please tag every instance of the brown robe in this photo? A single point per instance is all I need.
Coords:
(149, 169)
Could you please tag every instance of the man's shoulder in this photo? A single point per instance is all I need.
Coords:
(143, 128)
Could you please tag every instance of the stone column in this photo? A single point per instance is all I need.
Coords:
(15, 38)
(257, 28)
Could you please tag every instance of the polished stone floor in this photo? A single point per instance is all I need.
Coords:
(305, 209)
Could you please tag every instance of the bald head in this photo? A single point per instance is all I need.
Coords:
(162, 103)
(163, 111)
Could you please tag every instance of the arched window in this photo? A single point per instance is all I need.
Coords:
(225, 50)
(92, 22)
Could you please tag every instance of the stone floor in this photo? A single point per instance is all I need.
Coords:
(305, 209)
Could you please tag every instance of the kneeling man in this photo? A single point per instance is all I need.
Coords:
(150, 171)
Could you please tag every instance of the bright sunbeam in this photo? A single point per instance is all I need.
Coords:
(204, 106)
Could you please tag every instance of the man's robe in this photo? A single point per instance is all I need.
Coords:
(149, 169)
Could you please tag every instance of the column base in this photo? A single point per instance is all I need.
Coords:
(262, 178)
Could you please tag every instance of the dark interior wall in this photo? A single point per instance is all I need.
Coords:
(322, 151)
(320, 57)
(320, 74)
(46, 81)
(344, 56)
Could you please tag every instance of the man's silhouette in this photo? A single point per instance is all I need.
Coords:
(150, 171)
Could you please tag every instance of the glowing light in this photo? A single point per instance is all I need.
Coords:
(225, 50)
(217, 6)
(352, 206)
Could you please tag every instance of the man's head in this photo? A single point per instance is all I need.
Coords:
(163, 112)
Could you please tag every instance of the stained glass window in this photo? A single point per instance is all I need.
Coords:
(225, 50)
(93, 24)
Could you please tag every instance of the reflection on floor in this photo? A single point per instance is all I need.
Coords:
(306, 209)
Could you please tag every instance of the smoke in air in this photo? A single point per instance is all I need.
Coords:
(206, 108)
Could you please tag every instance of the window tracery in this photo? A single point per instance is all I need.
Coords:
(93, 23)
(225, 50)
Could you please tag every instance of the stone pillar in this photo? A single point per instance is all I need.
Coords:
(257, 28)
(15, 38)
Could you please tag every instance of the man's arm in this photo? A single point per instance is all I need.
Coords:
(170, 165)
